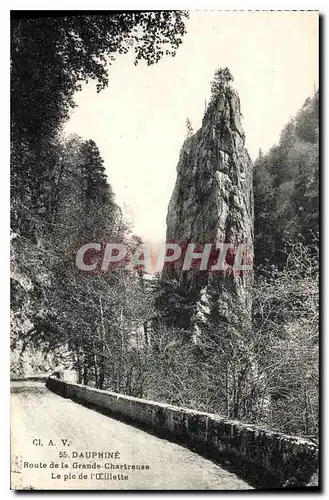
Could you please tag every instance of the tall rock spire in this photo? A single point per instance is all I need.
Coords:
(212, 202)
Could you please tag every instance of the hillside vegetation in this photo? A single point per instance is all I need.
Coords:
(106, 326)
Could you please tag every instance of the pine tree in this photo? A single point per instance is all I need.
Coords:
(222, 78)
(189, 128)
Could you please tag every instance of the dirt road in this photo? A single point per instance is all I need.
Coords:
(59, 444)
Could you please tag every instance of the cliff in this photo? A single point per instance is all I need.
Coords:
(212, 202)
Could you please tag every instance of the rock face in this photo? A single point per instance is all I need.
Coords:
(212, 202)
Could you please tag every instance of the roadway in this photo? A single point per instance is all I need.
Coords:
(57, 444)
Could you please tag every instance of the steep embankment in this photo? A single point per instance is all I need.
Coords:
(30, 351)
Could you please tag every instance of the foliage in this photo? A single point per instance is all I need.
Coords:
(51, 57)
(91, 317)
(222, 78)
(60, 195)
(286, 307)
(109, 326)
(267, 376)
(189, 128)
(286, 187)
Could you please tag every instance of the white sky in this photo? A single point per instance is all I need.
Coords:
(138, 122)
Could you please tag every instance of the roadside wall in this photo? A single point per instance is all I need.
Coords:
(278, 459)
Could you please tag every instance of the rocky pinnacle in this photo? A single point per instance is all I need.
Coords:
(212, 202)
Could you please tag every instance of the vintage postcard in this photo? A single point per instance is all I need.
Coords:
(164, 250)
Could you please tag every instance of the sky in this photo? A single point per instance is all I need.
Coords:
(139, 121)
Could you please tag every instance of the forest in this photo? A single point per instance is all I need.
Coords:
(109, 327)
